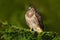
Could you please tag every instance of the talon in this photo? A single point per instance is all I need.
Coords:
(30, 30)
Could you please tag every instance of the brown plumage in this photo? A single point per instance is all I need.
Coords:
(34, 20)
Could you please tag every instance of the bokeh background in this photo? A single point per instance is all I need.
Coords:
(13, 11)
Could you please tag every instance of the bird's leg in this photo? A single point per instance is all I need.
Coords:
(30, 29)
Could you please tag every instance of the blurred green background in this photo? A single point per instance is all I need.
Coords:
(13, 11)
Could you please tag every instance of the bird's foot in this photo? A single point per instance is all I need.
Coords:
(30, 29)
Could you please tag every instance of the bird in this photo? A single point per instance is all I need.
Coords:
(34, 20)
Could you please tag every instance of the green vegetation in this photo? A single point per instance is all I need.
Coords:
(11, 32)
(13, 11)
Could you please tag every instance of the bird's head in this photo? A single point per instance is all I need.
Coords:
(31, 11)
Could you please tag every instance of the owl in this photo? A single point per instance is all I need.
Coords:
(34, 20)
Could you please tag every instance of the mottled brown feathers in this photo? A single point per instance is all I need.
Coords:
(34, 20)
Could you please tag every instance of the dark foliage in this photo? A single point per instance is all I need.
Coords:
(11, 32)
